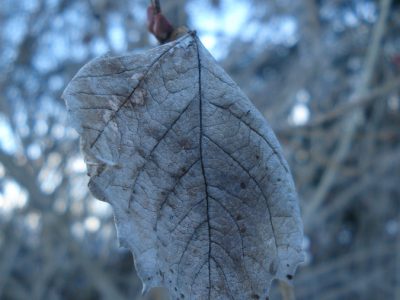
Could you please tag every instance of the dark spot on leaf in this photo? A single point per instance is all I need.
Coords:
(172, 271)
(243, 229)
(138, 97)
(239, 217)
(155, 132)
(141, 152)
(183, 170)
(187, 54)
(175, 289)
(257, 156)
(185, 144)
(148, 278)
(279, 180)
(290, 277)
(255, 296)
(287, 265)
(192, 191)
(242, 185)
(182, 296)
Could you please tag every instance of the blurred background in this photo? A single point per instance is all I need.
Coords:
(325, 73)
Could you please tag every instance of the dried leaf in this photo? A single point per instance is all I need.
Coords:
(200, 190)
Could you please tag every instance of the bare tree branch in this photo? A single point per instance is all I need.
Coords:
(351, 123)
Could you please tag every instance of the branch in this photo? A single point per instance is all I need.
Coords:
(342, 199)
(38, 200)
(156, 5)
(353, 121)
(344, 109)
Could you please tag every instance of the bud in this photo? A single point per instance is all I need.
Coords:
(158, 25)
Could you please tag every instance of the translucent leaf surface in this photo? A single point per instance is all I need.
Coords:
(201, 193)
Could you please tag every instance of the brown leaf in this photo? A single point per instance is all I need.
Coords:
(200, 190)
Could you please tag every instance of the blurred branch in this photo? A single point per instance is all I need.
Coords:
(98, 276)
(18, 291)
(345, 108)
(354, 284)
(355, 257)
(342, 199)
(354, 121)
(38, 199)
(8, 256)
(24, 175)
(287, 291)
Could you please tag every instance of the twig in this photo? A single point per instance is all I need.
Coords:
(353, 121)
(359, 102)
(359, 256)
(156, 5)
(347, 107)
(391, 160)
(356, 283)
(158, 24)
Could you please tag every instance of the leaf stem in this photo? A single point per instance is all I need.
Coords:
(287, 291)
